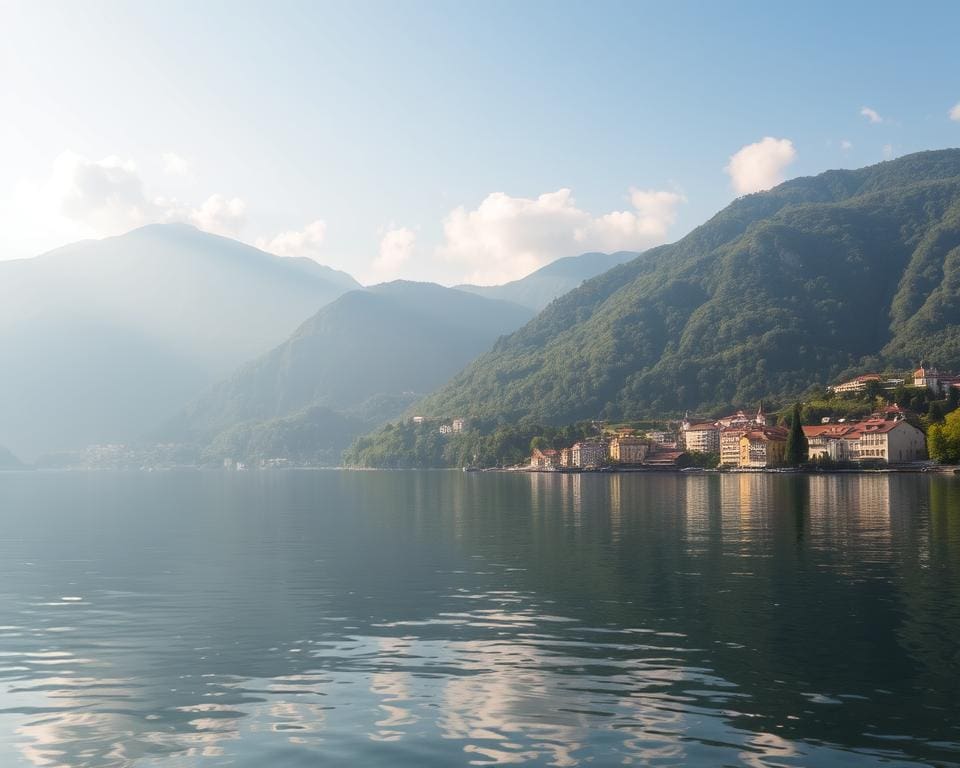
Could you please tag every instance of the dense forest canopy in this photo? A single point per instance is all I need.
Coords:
(815, 279)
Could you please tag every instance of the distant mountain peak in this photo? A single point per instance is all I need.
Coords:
(100, 339)
(542, 286)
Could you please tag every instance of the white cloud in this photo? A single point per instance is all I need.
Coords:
(98, 198)
(760, 165)
(107, 195)
(955, 112)
(871, 114)
(505, 237)
(396, 250)
(846, 145)
(220, 215)
(175, 165)
(887, 151)
(304, 242)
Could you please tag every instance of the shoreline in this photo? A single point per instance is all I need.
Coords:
(943, 470)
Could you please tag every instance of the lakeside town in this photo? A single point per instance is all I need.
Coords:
(887, 437)
(871, 421)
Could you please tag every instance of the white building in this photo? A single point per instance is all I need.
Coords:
(703, 437)
(888, 441)
(588, 454)
(936, 381)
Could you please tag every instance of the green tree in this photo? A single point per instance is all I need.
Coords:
(943, 440)
(935, 412)
(797, 447)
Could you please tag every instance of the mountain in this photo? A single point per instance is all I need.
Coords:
(8, 460)
(539, 288)
(100, 339)
(314, 436)
(366, 356)
(848, 270)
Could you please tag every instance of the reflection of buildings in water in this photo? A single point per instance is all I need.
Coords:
(393, 688)
(696, 491)
(745, 500)
(571, 501)
(703, 526)
(845, 507)
(614, 504)
(576, 495)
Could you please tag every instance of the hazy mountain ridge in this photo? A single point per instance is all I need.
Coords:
(100, 339)
(539, 288)
(365, 356)
(779, 291)
(8, 460)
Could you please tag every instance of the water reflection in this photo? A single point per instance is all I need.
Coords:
(443, 619)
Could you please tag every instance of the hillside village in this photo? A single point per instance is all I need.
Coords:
(751, 441)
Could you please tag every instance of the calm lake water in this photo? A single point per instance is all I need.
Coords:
(442, 618)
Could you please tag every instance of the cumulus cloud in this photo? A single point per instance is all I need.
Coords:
(506, 237)
(760, 165)
(396, 249)
(871, 114)
(107, 197)
(955, 112)
(220, 215)
(105, 194)
(846, 145)
(303, 242)
(175, 165)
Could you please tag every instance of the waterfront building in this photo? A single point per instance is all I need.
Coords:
(628, 449)
(730, 445)
(545, 459)
(588, 454)
(660, 456)
(762, 447)
(885, 439)
(702, 437)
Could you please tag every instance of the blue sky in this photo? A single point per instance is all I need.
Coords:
(448, 141)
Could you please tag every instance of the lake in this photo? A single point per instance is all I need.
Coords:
(289, 618)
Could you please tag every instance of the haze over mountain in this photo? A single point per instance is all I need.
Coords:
(539, 288)
(365, 356)
(100, 339)
(847, 270)
(8, 460)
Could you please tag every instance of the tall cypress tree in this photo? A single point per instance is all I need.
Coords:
(798, 450)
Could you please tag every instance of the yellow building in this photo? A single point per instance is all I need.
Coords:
(762, 447)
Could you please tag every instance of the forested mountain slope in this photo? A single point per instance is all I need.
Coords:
(781, 290)
(367, 356)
